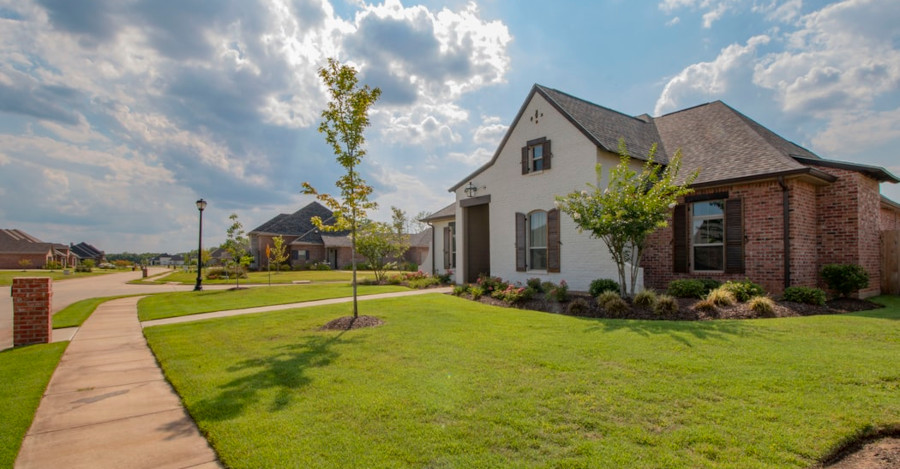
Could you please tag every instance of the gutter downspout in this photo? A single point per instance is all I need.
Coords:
(785, 201)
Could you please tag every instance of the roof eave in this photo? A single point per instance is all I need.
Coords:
(875, 172)
(815, 174)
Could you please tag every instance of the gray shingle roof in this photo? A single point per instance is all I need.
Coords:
(19, 242)
(299, 224)
(605, 126)
(444, 213)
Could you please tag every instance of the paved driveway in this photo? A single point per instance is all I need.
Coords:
(66, 292)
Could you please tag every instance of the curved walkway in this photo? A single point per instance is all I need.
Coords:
(108, 404)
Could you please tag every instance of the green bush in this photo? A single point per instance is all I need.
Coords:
(514, 294)
(710, 284)
(559, 293)
(421, 283)
(762, 305)
(547, 286)
(578, 307)
(687, 288)
(807, 295)
(216, 273)
(535, 284)
(607, 297)
(743, 290)
(445, 277)
(491, 284)
(705, 305)
(460, 290)
(476, 291)
(616, 307)
(601, 285)
(645, 298)
(845, 278)
(665, 305)
(83, 268)
(324, 266)
(53, 265)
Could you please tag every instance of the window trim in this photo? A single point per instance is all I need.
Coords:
(528, 159)
(530, 241)
(692, 245)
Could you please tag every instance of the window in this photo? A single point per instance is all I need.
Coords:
(537, 240)
(453, 244)
(536, 156)
(708, 235)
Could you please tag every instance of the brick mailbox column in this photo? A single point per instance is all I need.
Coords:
(32, 306)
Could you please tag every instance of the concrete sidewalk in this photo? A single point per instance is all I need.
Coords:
(305, 304)
(109, 406)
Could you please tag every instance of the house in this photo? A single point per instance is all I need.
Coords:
(219, 256)
(763, 208)
(442, 228)
(17, 246)
(306, 245)
(86, 251)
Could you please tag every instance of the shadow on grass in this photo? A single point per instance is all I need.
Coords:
(680, 331)
(284, 371)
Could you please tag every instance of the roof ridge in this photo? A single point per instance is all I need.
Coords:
(547, 88)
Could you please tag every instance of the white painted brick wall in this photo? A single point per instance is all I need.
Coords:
(574, 157)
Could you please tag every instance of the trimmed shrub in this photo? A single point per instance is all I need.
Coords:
(665, 305)
(721, 297)
(460, 290)
(687, 288)
(705, 306)
(578, 307)
(807, 295)
(601, 285)
(845, 278)
(607, 297)
(83, 268)
(762, 305)
(476, 291)
(324, 266)
(616, 307)
(645, 298)
(514, 294)
(710, 284)
(53, 265)
(421, 283)
(535, 284)
(395, 279)
(743, 290)
(444, 278)
(491, 284)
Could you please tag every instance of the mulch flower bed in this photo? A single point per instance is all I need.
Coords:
(686, 311)
(347, 323)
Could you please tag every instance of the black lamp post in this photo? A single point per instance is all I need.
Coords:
(201, 204)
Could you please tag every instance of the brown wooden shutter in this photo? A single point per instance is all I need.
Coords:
(525, 162)
(447, 247)
(553, 242)
(547, 156)
(680, 241)
(520, 243)
(734, 237)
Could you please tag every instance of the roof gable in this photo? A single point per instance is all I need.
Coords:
(298, 224)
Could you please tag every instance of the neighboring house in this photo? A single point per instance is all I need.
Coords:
(763, 208)
(441, 256)
(419, 247)
(162, 259)
(219, 256)
(16, 245)
(306, 245)
(86, 251)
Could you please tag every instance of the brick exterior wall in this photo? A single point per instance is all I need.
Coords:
(834, 223)
(11, 261)
(890, 218)
(32, 306)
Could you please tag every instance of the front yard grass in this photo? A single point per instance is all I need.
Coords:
(24, 374)
(190, 278)
(447, 382)
(167, 305)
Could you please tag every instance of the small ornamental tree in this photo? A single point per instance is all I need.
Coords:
(379, 243)
(277, 254)
(629, 209)
(343, 123)
(236, 245)
(24, 263)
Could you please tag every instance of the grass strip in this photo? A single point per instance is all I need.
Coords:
(24, 374)
(452, 383)
(262, 278)
(6, 276)
(76, 313)
(167, 305)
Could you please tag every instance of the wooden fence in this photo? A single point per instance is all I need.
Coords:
(890, 262)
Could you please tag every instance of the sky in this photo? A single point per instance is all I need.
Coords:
(117, 115)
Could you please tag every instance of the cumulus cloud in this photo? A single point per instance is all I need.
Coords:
(712, 10)
(474, 158)
(707, 80)
(852, 130)
(491, 131)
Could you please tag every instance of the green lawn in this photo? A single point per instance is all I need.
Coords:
(166, 305)
(24, 374)
(6, 276)
(450, 383)
(76, 313)
(190, 278)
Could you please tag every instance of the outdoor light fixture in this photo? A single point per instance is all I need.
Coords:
(471, 190)
(201, 204)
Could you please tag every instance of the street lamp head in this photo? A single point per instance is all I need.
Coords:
(201, 204)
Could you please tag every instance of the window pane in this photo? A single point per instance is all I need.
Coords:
(709, 258)
(702, 209)
(709, 231)
(539, 259)
(538, 233)
(537, 158)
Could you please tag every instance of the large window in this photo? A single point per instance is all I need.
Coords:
(537, 240)
(708, 235)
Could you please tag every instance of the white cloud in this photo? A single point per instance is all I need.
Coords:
(409, 192)
(709, 79)
(475, 158)
(712, 10)
(490, 132)
(849, 131)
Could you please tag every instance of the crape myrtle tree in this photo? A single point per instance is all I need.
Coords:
(380, 243)
(630, 208)
(343, 122)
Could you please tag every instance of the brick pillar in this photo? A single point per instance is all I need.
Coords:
(32, 311)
